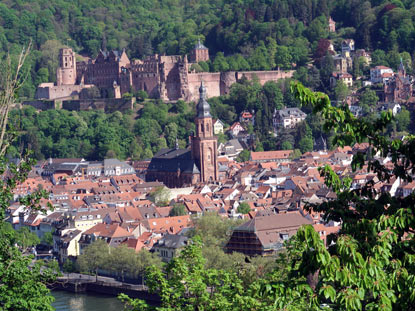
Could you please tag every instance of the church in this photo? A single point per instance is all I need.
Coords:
(184, 167)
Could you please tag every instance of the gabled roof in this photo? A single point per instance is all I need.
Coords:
(273, 222)
(173, 241)
(172, 160)
(108, 231)
(270, 155)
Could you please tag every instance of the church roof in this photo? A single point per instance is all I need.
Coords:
(200, 46)
(172, 160)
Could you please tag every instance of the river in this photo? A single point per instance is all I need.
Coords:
(66, 301)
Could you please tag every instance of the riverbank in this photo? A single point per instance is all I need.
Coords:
(80, 283)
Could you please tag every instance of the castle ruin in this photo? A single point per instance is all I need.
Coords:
(169, 78)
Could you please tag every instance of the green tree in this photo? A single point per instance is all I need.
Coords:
(243, 156)
(190, 286)
(22, 280)
(244, 208)
(27, 239)
(94, 257)
(305, 144)
(341, 91)
(403, 120)
(368, 101)
(286, 145)
(220, 64)
(121, 261)
(370, 241)
(178, 210)
(47, 239)
(160, 196)
(283, 57)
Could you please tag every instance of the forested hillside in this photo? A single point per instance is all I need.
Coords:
(268, 33)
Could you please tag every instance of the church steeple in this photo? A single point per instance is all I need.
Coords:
(204, 143)
(401, 69)
(203, 108)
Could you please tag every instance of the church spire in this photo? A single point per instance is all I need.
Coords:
(203, 108)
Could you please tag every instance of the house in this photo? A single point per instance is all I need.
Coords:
(247, 117)
(67, 245)
(361, 53)
(271, 156)
(264, 235)
(236, 128)
(346, 78)
(232, 148)
(343, 63)
(169, 246)
(394, 107)
(347, 45)
(113, 234)
(218, 127)
(116, 167)
(287, 118)
(380, 74)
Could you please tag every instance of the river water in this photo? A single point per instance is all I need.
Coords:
(66, 301)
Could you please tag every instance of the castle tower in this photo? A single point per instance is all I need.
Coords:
(204, 144)
(199, 53)
(66, 72)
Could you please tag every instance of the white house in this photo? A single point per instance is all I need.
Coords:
(380, 74)
(287, 118)
(218, 127)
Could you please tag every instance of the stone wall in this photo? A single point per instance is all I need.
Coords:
(146, 81)
(50, 91)
(41, 104)
(211, 81)
(265, 76)
(109, 105)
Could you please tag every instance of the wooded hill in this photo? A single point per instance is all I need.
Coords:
(268, 33)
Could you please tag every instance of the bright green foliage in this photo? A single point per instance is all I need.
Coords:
(120, 261)
(47, 239)
(244, 208)
(341, 91)
(93, 257)
(403, 119)
(178, 210)
(21, 288)
(96, 135)
(243, 156)
(160, 196)
(371, 266)
(189, 286)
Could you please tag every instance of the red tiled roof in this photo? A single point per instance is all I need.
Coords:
(270, 155)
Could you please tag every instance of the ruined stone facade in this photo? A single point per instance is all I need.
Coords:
(165, 77)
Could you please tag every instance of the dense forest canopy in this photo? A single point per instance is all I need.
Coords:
(288, 29)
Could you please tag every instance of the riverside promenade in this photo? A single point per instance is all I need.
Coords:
(81, 283)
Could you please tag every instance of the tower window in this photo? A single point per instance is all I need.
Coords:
(207, 127)
(201, 128)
